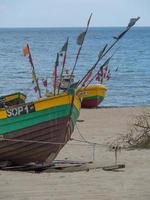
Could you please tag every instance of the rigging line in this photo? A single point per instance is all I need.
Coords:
(86, 141)
(90, 143)
(117, 39)
(80, 133)
(108, 60)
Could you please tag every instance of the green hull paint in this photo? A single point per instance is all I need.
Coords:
(27, 120)
(94, 97)
(75, 115)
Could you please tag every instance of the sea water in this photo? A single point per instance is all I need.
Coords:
(128, 86)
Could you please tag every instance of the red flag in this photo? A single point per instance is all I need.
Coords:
(45, 82)
(55, 71)
(105, 71)
(99, 77)
(132, 22)
(26, 51)
(55, 76)
(108, 75)
(80, 38)
(88, 76)
(36, 89)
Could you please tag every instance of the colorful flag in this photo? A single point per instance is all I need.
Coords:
(26, 51)
(80, 38)
(88, 76)
(120, 35)
(104, 72)
(56, 65)
(132, 22)
(36, 89)
(45, 82)
(108, 75)
(65, 46)
(102, 52)
(57, 60)
(55, 72)
(33, 76)
(63, 53)
(55, 77)
(99, 77)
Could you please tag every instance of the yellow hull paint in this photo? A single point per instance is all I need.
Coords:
(49, 102)
(53, 101)
(92, 90)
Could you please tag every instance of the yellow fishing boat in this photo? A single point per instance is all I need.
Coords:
(92, 95)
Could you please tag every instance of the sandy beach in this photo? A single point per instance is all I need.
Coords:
(99, 125)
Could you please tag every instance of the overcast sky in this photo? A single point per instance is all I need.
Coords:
(72, 13)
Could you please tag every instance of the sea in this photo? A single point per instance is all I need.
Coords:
(129, 84)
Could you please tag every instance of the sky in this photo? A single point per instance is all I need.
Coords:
(72, 13)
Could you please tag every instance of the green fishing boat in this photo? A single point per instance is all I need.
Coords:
(35, 131)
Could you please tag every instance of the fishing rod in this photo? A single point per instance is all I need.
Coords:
(103, 53)
(64, 49)
(80, 41)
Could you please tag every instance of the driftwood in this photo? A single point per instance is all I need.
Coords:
(114, 167)
(138, 136)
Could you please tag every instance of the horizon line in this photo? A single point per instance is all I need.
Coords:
(146, 26)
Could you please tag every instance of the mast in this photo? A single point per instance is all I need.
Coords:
(104, 52)
(55, 73)
(27, 52)
(64, 49)
(80, 41)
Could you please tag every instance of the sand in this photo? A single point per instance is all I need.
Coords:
(100, 125)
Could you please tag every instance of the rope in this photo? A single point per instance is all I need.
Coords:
(80, 133)
(86, 141)
(83, 142)
(42, 142)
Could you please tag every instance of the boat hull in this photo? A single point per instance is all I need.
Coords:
(92, 96)
(38, 136)
(92, 102)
